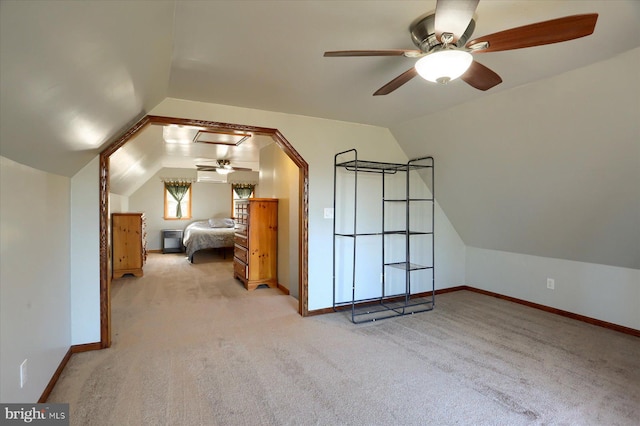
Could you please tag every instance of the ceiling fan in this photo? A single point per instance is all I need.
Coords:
(444, 53)
(223, 167)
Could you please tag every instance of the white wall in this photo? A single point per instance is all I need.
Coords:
(35, 308)
(279, 179)
(607, 293)
(118, 203)
(85, 265)
(450, 249)
(317, 140)
(207, 200)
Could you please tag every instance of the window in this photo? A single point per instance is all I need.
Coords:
(240, 191)
(177, 200)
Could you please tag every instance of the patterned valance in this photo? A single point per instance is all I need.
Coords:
(177, 181)
(243, 185)
(243, 190)
(235, 181)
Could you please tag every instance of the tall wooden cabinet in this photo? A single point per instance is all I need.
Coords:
(255, 259)
(129, 244)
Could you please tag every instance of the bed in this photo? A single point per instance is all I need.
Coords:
(205, 234)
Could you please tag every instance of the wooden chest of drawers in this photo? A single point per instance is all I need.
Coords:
(255, 259)
(129, 244)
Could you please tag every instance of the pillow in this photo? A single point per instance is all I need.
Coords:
(221, 222)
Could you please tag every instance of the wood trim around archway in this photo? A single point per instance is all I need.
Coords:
(303, 206)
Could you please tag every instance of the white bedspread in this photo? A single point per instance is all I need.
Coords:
(200, 235)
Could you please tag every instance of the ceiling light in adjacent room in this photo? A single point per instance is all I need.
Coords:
(223, 171)
(221, 138)
(178, 134)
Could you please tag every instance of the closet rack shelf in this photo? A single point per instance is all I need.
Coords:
(389, 302)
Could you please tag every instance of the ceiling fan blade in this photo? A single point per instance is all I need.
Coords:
(480, 77)
(546, 32)
(387, 52)
(396, 82)
(241, 169)
(206, 168)
(453, 16)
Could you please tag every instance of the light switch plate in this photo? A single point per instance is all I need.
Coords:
(23, 373)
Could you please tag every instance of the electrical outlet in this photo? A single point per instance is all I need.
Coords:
(328, 213)
(551, 283)
(23, 373)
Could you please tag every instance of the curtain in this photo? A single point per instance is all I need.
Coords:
(243, 190)
(178, 190)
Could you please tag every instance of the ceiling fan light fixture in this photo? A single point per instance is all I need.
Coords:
(223, 170)
(443, 66)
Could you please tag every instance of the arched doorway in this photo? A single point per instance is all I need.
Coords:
(279, 139)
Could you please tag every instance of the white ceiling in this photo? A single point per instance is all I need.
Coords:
(73, 75)
(147, 153)
(269, 55)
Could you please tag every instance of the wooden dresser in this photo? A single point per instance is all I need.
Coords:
(255, 259)
(129, 244)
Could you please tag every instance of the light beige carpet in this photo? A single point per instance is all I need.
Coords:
(192, 347)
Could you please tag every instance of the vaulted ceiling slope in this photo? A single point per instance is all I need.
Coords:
(549, 169)
(74, 74)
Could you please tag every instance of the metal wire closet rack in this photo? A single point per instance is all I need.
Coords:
(405, 239)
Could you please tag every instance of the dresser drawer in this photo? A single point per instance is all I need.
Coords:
(240, 253)
(240, 240)
(239, 269)
(241, 229)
